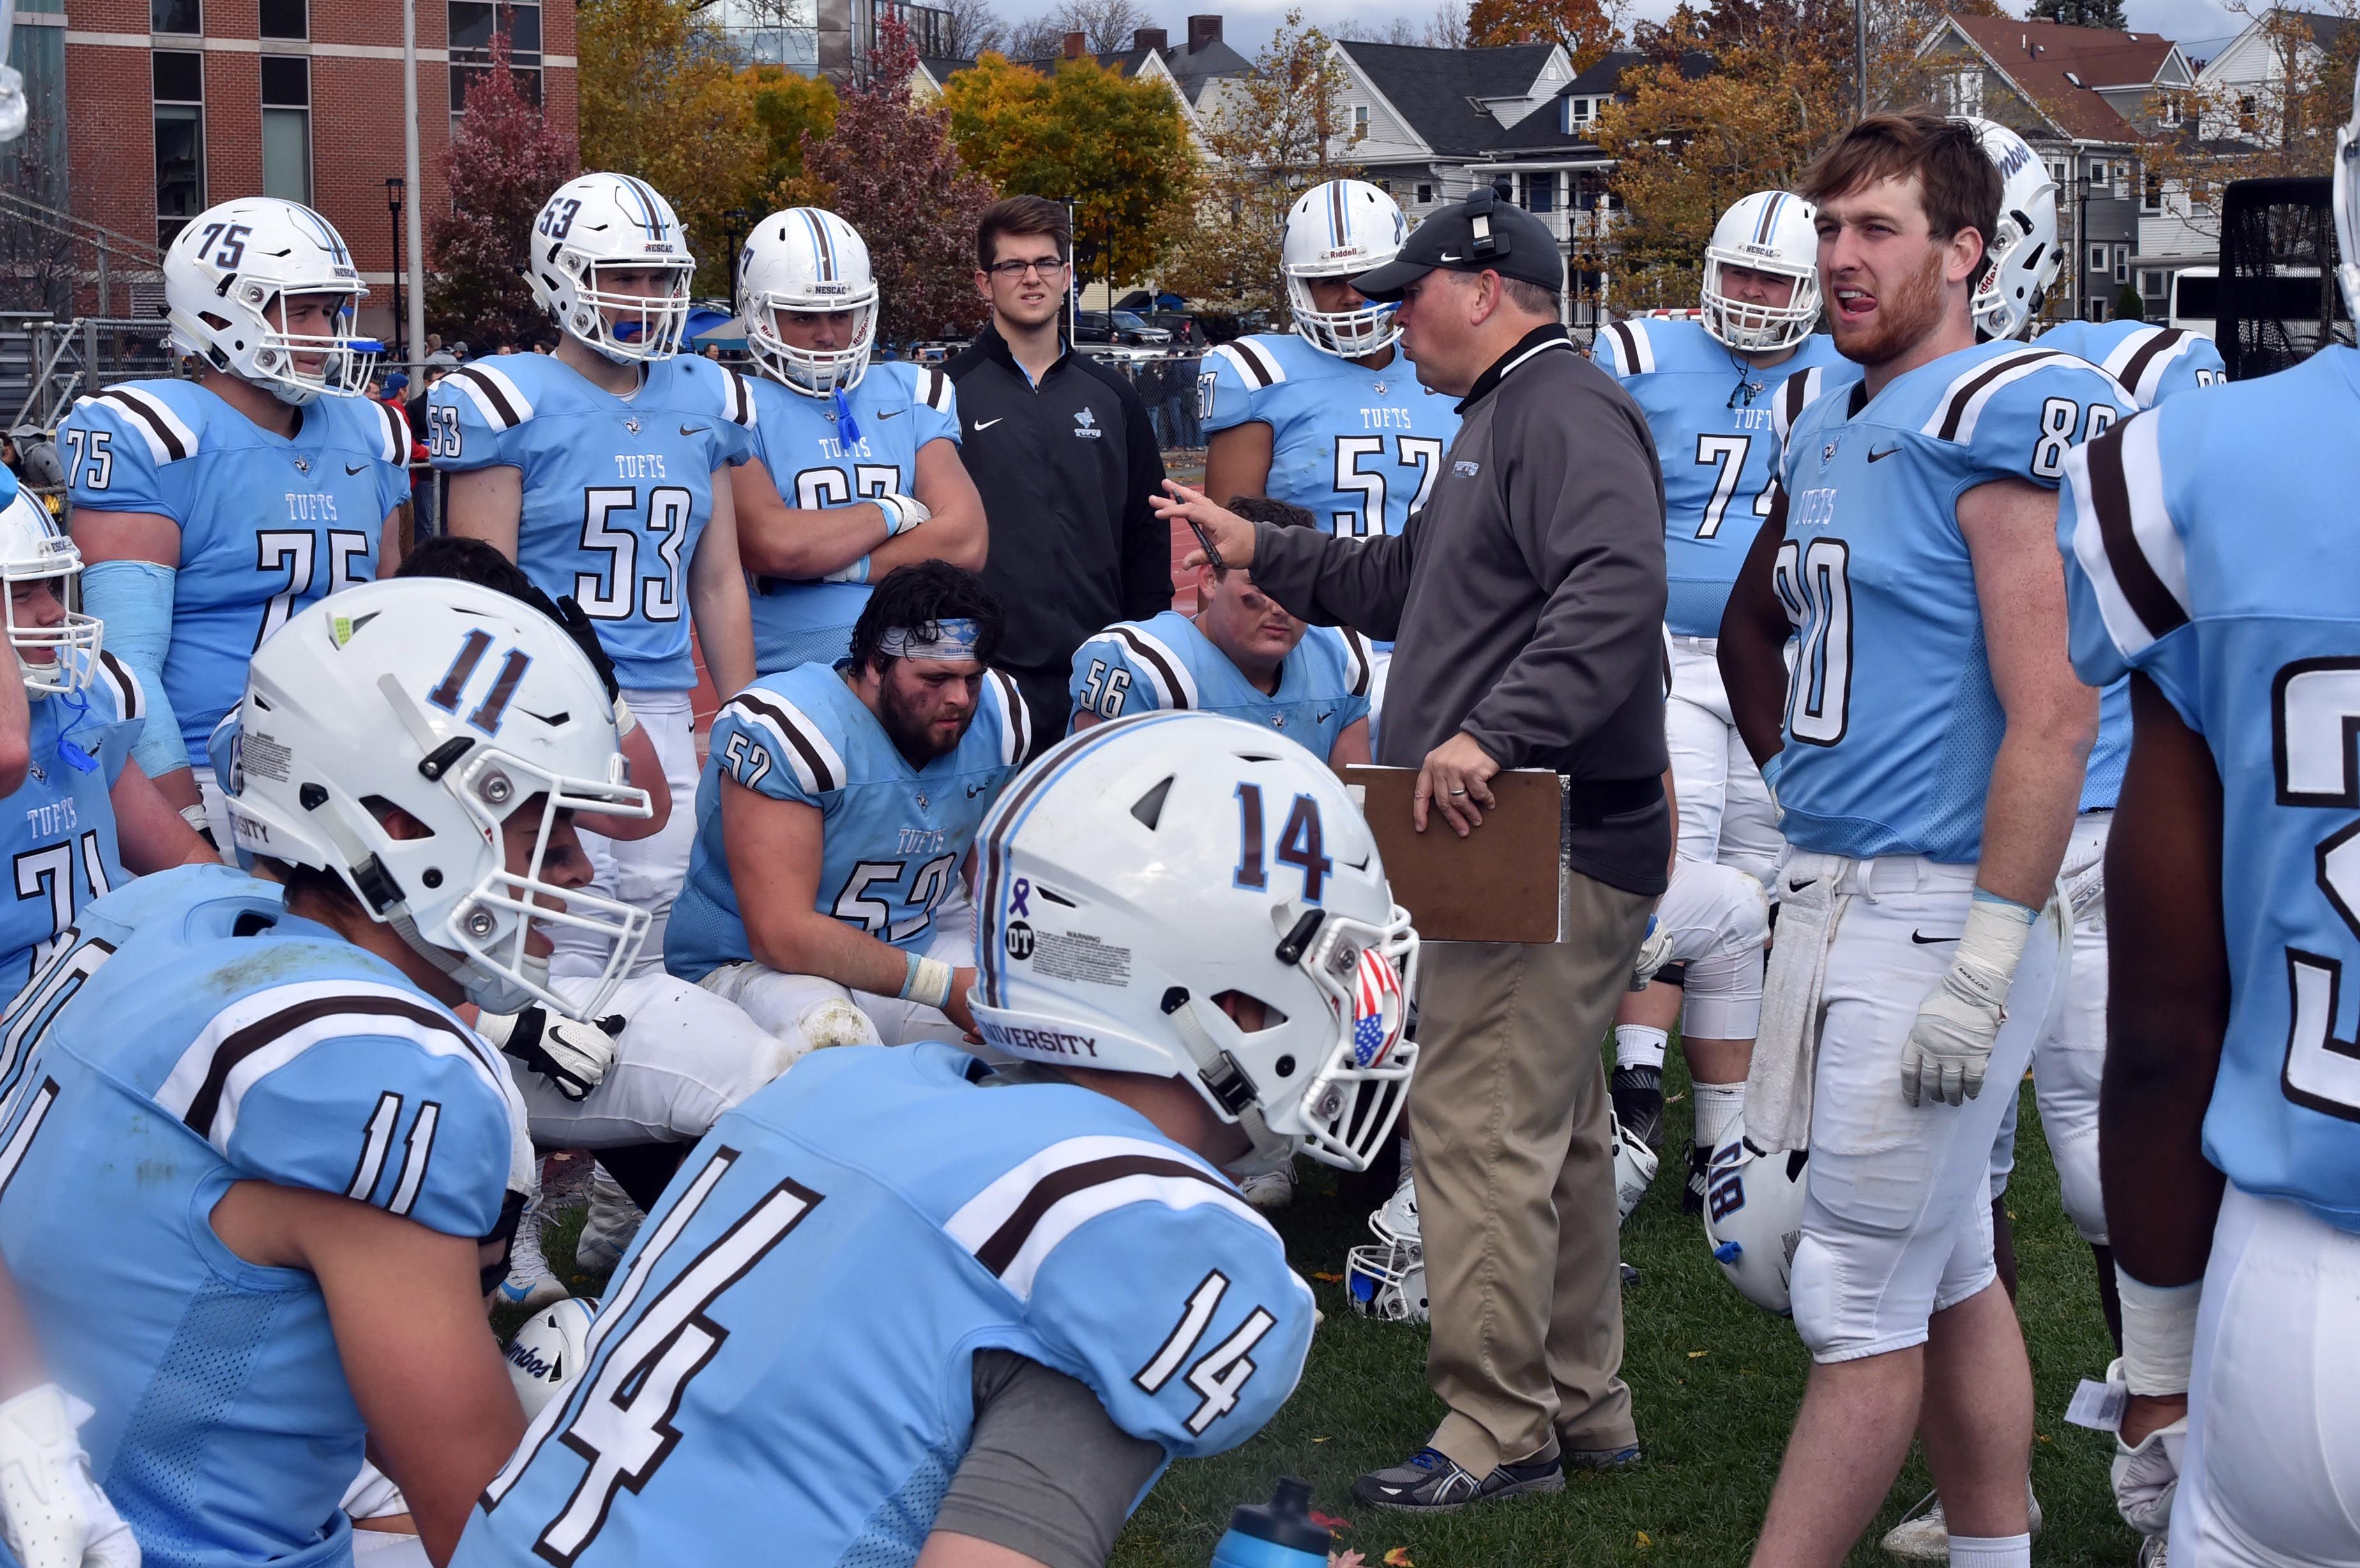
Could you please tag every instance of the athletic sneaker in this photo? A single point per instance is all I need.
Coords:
(1271, 1188)
(530, 1283)
(1924, 1535)
(1429, 1483)
(614, 1220)
(1638, 1096)
(1699, 1167)
(2151, 1552)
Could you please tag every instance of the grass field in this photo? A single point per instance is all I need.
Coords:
(1715, 1381)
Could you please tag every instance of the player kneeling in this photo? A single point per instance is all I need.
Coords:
(258, 1175)
(900, 1302)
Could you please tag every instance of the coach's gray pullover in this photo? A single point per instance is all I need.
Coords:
(1526, 599)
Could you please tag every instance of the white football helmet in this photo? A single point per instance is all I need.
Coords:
(58, 659)
(1341, 229)
(1770, 231)
(1753, 1218)
(2348, 206)
(2023, 256)
(614, 222)
(1388, 1279)
(1634, 1167)
(547, 1354)
(227, 279)
(458, 704)
(1148, 866)
(807, 258)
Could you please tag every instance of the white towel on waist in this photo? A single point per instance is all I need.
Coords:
(1786, 1046)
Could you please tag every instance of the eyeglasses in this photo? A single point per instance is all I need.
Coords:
(1012, 270)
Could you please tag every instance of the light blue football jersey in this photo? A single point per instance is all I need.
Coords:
(268, 525)
(897, 408)
(190, 1034)
(2151, 364)
(786, 1354)
(1358, 449)
(60, 824)
(1139, 666)
(1711, 413)
(892, 835)
(617, 490)
(2212, 546)
(1892, 722)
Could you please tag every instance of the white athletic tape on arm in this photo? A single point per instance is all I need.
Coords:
(2159, 1334)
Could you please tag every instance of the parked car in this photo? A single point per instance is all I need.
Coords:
(1127, 329)
(1185, 330)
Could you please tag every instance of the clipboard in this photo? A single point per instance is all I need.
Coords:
(1503, 883)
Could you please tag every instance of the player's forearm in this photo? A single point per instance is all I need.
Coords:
(804, 544)
(956, 534)
(725, 626)
(805, 941)
(1751, 648)
(647, 772)
(485, 504)
(15, 735)
(2036, 788)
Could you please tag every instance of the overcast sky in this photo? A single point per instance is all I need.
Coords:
(2199, 27)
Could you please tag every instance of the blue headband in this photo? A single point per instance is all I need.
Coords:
(948, 640)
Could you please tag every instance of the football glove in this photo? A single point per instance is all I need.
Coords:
(1654, 954)
(51, 1513)
(856, 573)
(1634, 1167)
(1950, 1044)
(573, 1056)
(903, 513)
(2147, 1477)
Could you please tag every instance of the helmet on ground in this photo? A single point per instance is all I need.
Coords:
(2347, 206)
(1770, 231)
(460, 706)
(807, 259)
(2023, 257)
(1146, 870)
(227, 278)
(547, 1354)
(1341, 229)
(58, 659)
(598, 223)
(1753, 1218)
(1387, 1280)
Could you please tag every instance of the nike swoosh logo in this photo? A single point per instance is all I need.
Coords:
(897, 413)
(1793, 887)
(1875, 456)
(975, 790)
(1327, 715)
(350, 470)
(986, 424)
(691, 430)
(1922, 940)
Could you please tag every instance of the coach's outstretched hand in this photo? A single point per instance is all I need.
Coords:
(1223, 538)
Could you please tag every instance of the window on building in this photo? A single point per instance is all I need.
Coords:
(2057, 173)
(285, 19)
(1359, 122)
(472, 24)
(2151, 284)
(1425, 195)
(1964, 89)
(287, 127)
(1536, 192)
(2151, 196)
(2248, 112)
(176, 16)
(2097, 171)
(2097, 259)
(2122, 264)
(2095, 309)
(179, 94)
(1584, 110)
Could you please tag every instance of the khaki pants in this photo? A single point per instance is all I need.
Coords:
(1516, 1185)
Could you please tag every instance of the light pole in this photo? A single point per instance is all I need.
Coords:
(394, 186)
(2081, 248)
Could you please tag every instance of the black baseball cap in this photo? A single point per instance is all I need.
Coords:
(1482, 234)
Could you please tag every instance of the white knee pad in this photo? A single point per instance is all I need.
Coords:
(1720, 918)
(2066, 1082)
(1811, 1286)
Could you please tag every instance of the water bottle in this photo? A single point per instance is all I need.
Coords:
(1276, 1534)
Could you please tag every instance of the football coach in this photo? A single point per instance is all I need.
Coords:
(1526, 603)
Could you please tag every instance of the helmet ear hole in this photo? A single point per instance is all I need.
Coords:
(1149, 807)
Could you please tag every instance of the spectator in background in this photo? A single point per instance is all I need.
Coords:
(1180, 399)
(433, 345)
(1147, 380)
(1061, 451)
(544, 345)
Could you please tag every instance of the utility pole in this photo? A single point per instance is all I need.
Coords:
(1860, 57)
(417, 189)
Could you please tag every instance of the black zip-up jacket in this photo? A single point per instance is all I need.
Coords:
(1065, 470)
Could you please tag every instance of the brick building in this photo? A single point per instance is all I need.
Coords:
(167, 106)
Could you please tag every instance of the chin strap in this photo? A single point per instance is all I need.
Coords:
(1227, 1082)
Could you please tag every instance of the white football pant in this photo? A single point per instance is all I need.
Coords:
(2069, 1059)
(807, 1013)
(2270, 1477)
(1725, 811)
(1896, 1207)
(646, 873)
(1718, 918)
(685, 1057)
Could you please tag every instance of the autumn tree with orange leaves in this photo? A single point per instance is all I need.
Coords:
(1587, 30)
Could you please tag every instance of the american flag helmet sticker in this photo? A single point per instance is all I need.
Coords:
(1379, 1008)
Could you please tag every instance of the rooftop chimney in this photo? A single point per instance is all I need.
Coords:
(1203, 31)
(1150, 38)
(1076, 46)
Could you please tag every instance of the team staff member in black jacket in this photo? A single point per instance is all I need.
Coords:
(1526, 602)
(1064, 455)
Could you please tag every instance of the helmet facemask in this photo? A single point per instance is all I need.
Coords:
(1356, 334)
(346, 360)
(629, 329)
(817, 373)
(2346, 200)
(1756, 329)
(70, 647)
(2014, 281)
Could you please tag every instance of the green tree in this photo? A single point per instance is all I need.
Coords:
(503, 161)
(1118, 148)
(1273, 134)
(788, 105)
(660, 101)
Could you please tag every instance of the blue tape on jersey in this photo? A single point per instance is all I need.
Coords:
(134, 599)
